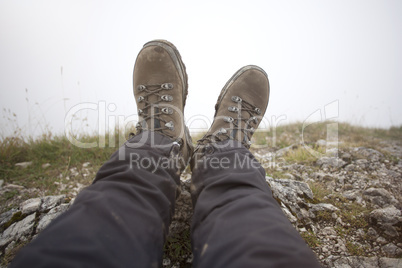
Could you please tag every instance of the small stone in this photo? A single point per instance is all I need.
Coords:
(381, 240)
(1, 183)
(31, 205)
(86, 164)
(346, 157)
(166, 262)
(50, 202)
(330, 161)
(46, 165)
(371, 232)
(323, 207)
(14, 187)
(327, 231)
(350, 195)
(23, 164)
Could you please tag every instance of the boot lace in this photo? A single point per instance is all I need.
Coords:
(147, 114)
(249, 123)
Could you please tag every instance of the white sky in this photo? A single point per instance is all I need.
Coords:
(315, 53)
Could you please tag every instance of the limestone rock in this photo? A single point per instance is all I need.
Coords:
(389, 262)
(50, 202)
(389, 215)
(23, 164)
(380, 197)
(51, 215)
(18, 229)
(370, 154)
(323, 207)
(333, 162)
(391, 250)
(31, 205)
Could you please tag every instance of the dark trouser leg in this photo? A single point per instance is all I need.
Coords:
(119, 221)
(237, 222)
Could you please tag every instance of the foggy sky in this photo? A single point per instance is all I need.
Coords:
(55, 55)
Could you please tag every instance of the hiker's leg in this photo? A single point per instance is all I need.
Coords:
(121, 220)
(237, 222)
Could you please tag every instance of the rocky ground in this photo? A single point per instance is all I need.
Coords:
(346, 203)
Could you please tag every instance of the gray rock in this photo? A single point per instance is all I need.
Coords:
(369, 154)
(31, 205)
(332, 152)
(290, 188)
(351, 195)
(322, 207)
(381, 240)
(353, 261)
(6, 216)
(328, 231)
(17, 230)
(51, 215)
(330, 162)
(389, 262)
(380, 197)
(347, 157)
(390, 230)
(50, 202)
(389, 215)
(292, 194)
(86, 164)
(372, 233)
(391, 250)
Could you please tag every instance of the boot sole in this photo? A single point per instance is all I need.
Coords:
(176, 57)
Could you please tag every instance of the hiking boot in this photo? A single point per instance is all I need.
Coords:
(160, 90)
(240, 108)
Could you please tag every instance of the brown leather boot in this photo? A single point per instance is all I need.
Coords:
(240, 107)
(160, 90)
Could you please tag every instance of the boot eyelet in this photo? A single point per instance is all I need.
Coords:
(166, 98)
(209, 149)
(257, 110)
(236, 99)
(233, 109)
(141, 98)
(141, 87)
(228, 119)
(140, 112)
(170, 125)
(167, 86)
(166, 110)
(254, 119)
(222, 131)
